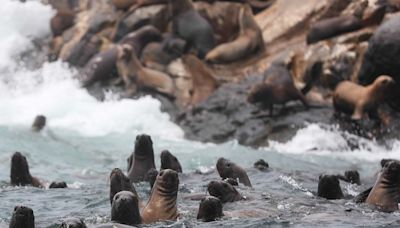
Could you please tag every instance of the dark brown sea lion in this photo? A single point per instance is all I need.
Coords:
(169, 161)
(151, 176)
(140, 38)
(20, 174)
(358, 100)
(58, 185)
(329, 187)
(142, 158)
(277, 88)
(210, 209)
(60, 22)
(204, 84)
(125, 208)
(228, 169)
(39, 123)
(261, 165)
(351, 176)
(249, 41)
(123, 4)
(22, 217)
(162, 203)
(190, 26)
(385, 195)
(73, 223)
(335, 26)
(224, 191)
(119, 182)
(135, 74)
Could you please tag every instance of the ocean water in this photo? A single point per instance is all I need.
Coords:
(85, 139)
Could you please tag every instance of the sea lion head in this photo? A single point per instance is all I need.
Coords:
(382, 84)
(169, 161)
(261, 165)
(125, 208)
(228, 169)
(39, 123)
(61, 184)
(179, 6)
(119, 182)
(329, 187)
(125, 52)
(22, 217)
(386, 160)
(144, 146)
(73, 223)
(210, 209)
(223, 191)
(167, 182)
(20, 174)
(391, 172)
(353, 176)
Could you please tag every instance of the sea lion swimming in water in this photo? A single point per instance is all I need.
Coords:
(142, 158)
(358, 100)
(210, 209)
(61, 184)
(119, 182)
(125, 209)
(385, 195)
(224, 191)
(20, 174)
(228, 169)
(22, 217)
(162, 203)
(73, 223)
(169, 161)
(329, 187)
(39, 123)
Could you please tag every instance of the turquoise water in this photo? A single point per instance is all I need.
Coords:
(85, 139)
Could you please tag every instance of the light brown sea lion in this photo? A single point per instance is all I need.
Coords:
(125, 208)
(228, 169)
(162, 203)
(277, 88)
(22, 217)
(249, 41)
(39, 123)
(20, 174)
(204, 83)
(385, 195)
(142, 158)
(119, 182)
(224, 191)
(357, 100)
(169, 161)
(134, 73)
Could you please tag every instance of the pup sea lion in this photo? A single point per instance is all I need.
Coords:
(20, 174)
(190, 26)
(73, 223)
(329, 187)
(162, 203)
(142, 158)
(385, 195)
(357, 100)
(22, 217)
(39, 123)
(228, 169)
(132, 70)
(169, 161)
(58, 185)
(125, 208)
(249, 40)
(119, 182)
(277, 88)
(210, 209)
(204, 83)
(223, 191)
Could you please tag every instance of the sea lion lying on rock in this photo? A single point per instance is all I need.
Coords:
(20, 174)
(224, 191)
(228, 169)
(358, 100)
(22, 217)
(329, 187)
(142, 158)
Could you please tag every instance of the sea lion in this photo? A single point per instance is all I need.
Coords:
(277, 88)
(60, 22)
(329, 187)
(188, 24)
(132, 71)
(169, 161)
(385, 195)
(119, 182)
(73, 223)
(228, 169)
(125, 208)
(210, 209)
(100, 67)
(204, 84)
(58, 185)
(22, 217)
(142, 158)
(249, 41)
(351, 176)
(151, 176)
(39, 123)
(261, 165)
(20, 174)
(123, 4)
(335, 26)
(162, 203)
(357, 100)
(224, 191)
(140, 38)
